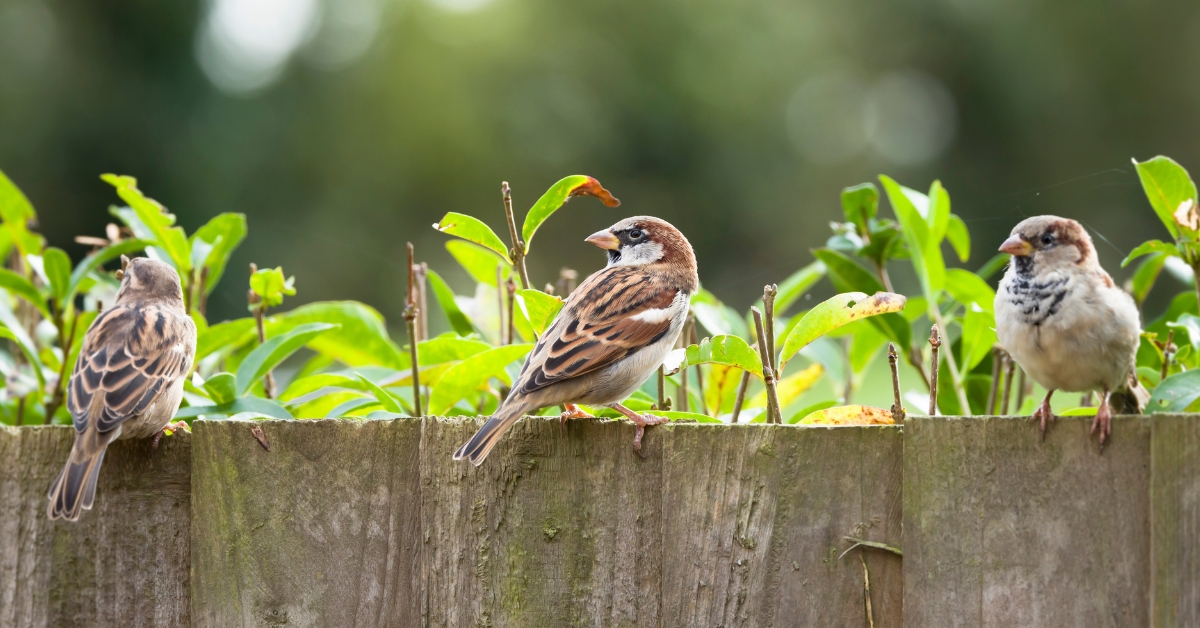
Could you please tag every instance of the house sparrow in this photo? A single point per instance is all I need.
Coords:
(616, 328)
(1059, 315)
(128, 380)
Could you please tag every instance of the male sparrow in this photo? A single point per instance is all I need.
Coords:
(128, 380)
(1059, 315)
(616, 328)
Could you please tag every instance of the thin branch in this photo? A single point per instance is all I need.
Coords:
(511, 287)
(260, 310)
(60, 388)
(500, 305)
(1022, 391)
(518, 247)
(410, 323)
(1168, 354)
(935, 342)
(662, 390)
(741, 396)
(1010, 370)
(871, 544)
(692, 340)
(768, 299)
(994, 390)
(773, 412)
(420, 272)
(897, 407)
(684, 399)
(867, 592)
(960, 389)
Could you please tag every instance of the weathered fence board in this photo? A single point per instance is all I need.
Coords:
(124, 563)
(1175, 534)
(1002, 529)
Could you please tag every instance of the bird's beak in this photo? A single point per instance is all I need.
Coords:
(604, 239)
(1014, 245)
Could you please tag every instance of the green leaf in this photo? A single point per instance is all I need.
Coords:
(155, 218)
(1176, 393)
(685, 416)
(16, 212)
(479, 262)
(83, 320)
(848, 276)
(390, 402)
(967, 288)
(859, 204)
(101, 257)
(1167, 186)
(1189, 324)
(361, 338)
(540, 308)
(820, 405)
(865, 346)
(58, 272)
(556, 196)
(305, 385)
(223, 234)
(221, 388)
(959, 237)
(1146, 274)
(925, 251)
(727, 350)
(834, 313)
(1087, 411)
(799, 282)
(472, 374)
(1146, 248)
(978, 337)
(23, 288)
(275, 350)
(718, 318)
(224, 336)
(473, 230)
(993, 266)
(257, 405)
(270, 285)
(447, 348)
(789, 389)
(445, 298)
(938, 215)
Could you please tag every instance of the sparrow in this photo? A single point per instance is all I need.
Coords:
(613, 332)
(1061, 317)
(128, 380)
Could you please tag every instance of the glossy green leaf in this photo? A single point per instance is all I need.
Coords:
(445, 298)
(302, 386)
(101, 257)
(58, 272)
(275, 350)
(993, 266)
(865, 346)
(271, 286)
(361, 338)
(1146, 274)
(790, 388)
(1190, 325)
(257, 405)
(479, 262)
(472, 374)
(848, 276)
(684, 416)
(223, 336)
(223, 234)
(978, 337)
(727, 350)
(221, 388)
(860, 204)
(1176, 393)
(925, 250)
(959, 237)
(799, 282)
(967, 288)
(938, 215)
(1167, 186)
(540, 308)
(23, 288)
(390, 402)
(154, 218)
(556, 196)
(834, 313)
(473, 230)
(355, 404)
(718, 318)
(1146, 248)
(447, 348)
(16, 212)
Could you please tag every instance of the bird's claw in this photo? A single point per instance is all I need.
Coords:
(172, 427)
(1045, 416)
(642, 421)
(1103, 423)
(572, 411)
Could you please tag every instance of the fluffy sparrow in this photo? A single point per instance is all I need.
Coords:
(128, 380)
(1059, 315)
(615, 330)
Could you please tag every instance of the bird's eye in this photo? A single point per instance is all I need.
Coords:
(1047, 239)
(636, 234)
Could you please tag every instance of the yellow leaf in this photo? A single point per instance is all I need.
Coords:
(849, 415)
(791, 387)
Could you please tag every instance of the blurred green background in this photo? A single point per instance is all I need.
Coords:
(343, 128)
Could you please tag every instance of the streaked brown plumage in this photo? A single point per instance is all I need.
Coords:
(613, 333)
(128, 380)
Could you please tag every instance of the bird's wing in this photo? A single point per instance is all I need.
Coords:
(130, 356)
(610, 316)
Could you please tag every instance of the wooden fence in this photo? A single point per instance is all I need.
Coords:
(370, 523)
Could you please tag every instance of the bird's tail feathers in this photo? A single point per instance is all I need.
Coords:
(482, 442)
(1130, 398)
(74, 490)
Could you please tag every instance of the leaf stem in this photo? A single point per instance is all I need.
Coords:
(518, 247)
(511, 288)
(662, 389)
(773, 412)
(935, 341)
(997, 371)
(260, 310)
(741, 396)
(410, 323)
(1009, 371)
(897, 406)
(955, 376)
(1168, 354)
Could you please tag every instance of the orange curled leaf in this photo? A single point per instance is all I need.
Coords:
(592, 187)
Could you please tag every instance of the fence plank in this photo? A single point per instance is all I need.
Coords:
(323, 530)
(1004, 530)
(754, 519)
(124, 563)
(1175, 499)
(560, 526)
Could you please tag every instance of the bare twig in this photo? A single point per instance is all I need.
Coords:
(1168, 354)
(768, 299)
(500, 305)
(684, 400)
(773, 412)
(511, 288)
(518, 247)
(867, 592)
(741, 396)
(935, 342)
(1009, 371)
(21, 411)
(871, 544)
(60, 387)
(420, 272)
(994, 391)
(410, 323)
(260, 310)
(897, 407)
(662, 389)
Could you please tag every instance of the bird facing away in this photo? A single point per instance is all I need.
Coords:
(1061, 317)
(613, 332)
(128, 380)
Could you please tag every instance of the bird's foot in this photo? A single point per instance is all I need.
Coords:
(642, 421)
(1044, 415)
(1102, 423)
(169, 428)
(572, 411)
